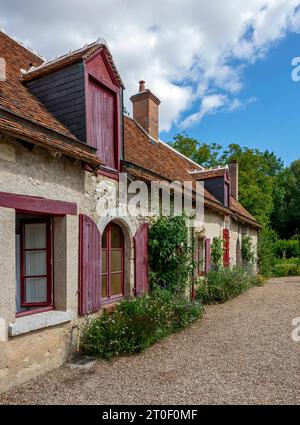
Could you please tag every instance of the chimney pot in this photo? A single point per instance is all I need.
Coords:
(142, 86)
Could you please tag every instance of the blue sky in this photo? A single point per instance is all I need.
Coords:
(272, 120)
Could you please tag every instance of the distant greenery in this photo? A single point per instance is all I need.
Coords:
(287, 248)
(286, 267)
(137, 323)
(226, 283)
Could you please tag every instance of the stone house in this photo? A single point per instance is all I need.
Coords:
(64, 143)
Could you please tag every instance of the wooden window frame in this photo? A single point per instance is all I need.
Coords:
(48, 249)
(109, 298)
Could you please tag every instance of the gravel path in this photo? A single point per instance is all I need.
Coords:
(241, 352)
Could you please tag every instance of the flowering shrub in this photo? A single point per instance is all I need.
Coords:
(137, 323)
(222, 285)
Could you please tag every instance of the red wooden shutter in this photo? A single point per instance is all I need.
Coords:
(141, 260)
(226, 247)
(89, 266)
(103, 123)
(207, 256)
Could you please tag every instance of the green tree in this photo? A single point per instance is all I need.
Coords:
(260, 181)
(204, 154)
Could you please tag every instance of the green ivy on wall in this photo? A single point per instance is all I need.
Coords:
(170, 256)
(217, 253)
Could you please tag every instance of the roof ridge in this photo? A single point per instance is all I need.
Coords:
(29, 49)
(207, 170)
(99, 42)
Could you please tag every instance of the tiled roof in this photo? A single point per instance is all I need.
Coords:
(14, 95)
(34, 136)
(19, 102)
(70, 58)
(158, 159)
(155, 156)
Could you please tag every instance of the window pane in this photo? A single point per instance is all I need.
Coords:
(36, 290)
(35, 263)
(104, 286)
(35, 235)
(104, 263)
(116, 284)
(104, 239)
(116, 261)
(116, 236)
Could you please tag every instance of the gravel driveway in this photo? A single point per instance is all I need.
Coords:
(240, 352)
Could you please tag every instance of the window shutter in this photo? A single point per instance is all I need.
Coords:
(207, 256)
(226, 243)
(89, 265)
(102, 125)
(141, 260)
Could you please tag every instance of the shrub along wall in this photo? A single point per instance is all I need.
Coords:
(224, 284)
(137, 323)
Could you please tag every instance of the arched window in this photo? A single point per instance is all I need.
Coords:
(112, 262)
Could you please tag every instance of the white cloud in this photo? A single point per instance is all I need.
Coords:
(237, 104)
(209, 105)
(183, 49)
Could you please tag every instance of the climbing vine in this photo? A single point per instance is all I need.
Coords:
(217, 253)
(247, 253)
(170, 256)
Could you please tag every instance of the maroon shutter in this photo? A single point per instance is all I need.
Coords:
(89, 265)
(226, 248)
(103, 123)
(141, 260)
(207, 256)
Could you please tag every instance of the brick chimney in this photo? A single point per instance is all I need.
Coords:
(234, 178)
(145, 110)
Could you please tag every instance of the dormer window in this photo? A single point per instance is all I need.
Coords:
(83, 90)
(217, 182)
